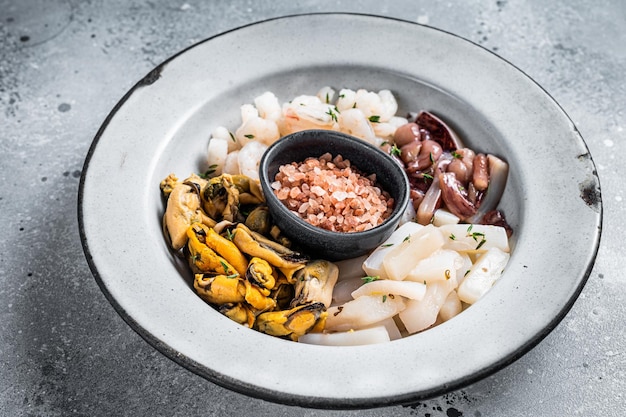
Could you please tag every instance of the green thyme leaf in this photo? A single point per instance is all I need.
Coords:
(374, 118)
(209, 172)
(230, 235)
(370, 278)
(332, 114)
(226, 268)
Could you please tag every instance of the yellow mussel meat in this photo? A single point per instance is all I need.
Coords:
(204, 259)
(283, 292)
(258, 298)
(220, 198)
(183, 209)
(261, 274)
(223, 247)
(219, 288)
(243, 266)
(291, 323)
(238, 312)
(250, 192)
(255, 244)
(258, 220)
(315, 283)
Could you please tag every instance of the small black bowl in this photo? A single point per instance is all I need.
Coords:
(319, 242)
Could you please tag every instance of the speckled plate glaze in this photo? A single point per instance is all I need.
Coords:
(162, 126)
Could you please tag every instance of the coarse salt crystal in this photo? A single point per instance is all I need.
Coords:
(339, 195)
(317, 190)
(283, 193)
(295, 192)
(303, 208)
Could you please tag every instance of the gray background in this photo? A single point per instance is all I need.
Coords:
(64, 65)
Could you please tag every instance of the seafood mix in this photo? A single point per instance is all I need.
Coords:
(450, 249)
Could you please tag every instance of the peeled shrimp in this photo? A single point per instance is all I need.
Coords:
(217, 153)
(346, 99)
(258, 129)
(382, 105)
(231, 164)
(307, 112)
(222, 133)
(384, 130)
(389, 105)
(326, 94)
(249, 159)
(268, 106)
(354, 122)
(248, 111)
(398, 121)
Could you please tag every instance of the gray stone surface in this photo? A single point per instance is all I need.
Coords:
(63, 66)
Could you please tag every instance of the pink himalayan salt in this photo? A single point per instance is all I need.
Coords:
(327, 192)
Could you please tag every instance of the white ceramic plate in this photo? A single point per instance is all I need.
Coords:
(162, 125)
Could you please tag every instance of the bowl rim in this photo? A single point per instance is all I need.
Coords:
(111, 280)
